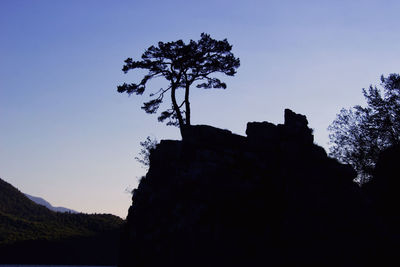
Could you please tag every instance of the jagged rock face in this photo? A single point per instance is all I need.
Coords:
(272, 198)
(384, 187)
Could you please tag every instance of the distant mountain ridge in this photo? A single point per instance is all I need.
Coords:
(43, 202)
(22, 219)
(43, 236)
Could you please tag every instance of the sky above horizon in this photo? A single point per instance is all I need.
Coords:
(68, 136)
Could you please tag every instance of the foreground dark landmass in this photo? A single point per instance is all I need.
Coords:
(99, 249)
(33, 234)
(272, 198)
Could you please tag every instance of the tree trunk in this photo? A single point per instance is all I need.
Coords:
(177, 111)
(187, 105)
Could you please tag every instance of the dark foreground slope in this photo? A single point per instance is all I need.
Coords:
(272, 198)
(33, 234)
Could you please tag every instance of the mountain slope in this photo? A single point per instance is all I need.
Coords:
(44, 236)
(22, 219)
(43, 202)
(16, 204)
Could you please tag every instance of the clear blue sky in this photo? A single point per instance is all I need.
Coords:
(66, 134)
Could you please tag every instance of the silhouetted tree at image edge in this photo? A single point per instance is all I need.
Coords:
(182, 65)
(360, 134)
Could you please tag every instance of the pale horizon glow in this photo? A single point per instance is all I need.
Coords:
(69, 137)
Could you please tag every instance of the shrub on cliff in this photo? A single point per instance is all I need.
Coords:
(144, 155)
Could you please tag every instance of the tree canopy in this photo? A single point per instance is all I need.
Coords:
(182, 65)
(359, 134)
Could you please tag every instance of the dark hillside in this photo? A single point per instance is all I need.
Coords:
(15, 203)
(43, 236)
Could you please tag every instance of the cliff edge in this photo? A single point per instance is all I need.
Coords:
(272, 198)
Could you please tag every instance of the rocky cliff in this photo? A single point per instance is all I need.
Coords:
(272, 198)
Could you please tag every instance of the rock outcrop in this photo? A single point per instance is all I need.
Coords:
(272, 198)
(383, 192)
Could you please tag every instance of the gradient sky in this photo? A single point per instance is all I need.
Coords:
(66, 134)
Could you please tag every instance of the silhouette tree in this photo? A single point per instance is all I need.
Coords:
(359, 134)
(182, 65)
